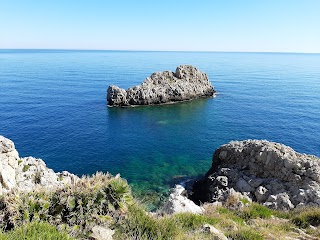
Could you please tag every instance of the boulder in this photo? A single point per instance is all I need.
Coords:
(178, 203)
(280, 201)
(217, 233)
(101, 233)
(270, 173)
(186, 83)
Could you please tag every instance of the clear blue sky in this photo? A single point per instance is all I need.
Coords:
(198, 25)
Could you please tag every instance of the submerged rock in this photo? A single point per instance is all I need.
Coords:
(186, 83)
(25, 174)
(270, 173)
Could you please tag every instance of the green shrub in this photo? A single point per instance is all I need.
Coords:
(189, 221)
(91, 201)
(25, 168)
(245, 201)
(226, 213)
(254, 210)
(35, 231)
(244, 234)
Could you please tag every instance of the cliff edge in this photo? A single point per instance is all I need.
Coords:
(186, 83)
(28, 173)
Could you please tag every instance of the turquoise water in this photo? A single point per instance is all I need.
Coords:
(53, 106)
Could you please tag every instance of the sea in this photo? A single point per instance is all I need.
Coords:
(53, 106)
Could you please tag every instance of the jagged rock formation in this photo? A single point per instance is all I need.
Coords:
(270, 173)
(26, 173)
(163, 87)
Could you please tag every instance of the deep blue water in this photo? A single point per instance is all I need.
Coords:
(53, 106)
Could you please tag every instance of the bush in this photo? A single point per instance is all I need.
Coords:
(254, 210)
(189, 221)
(245, 234)
(91, 201)
(306, 217)
(35, 231)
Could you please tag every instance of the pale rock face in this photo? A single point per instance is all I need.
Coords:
(186, 83)
(32, 173)
(26, 174)
(270, 173)
(177, 203)
(9, 158)
(116, 96)
(280, 201)
(102, 233)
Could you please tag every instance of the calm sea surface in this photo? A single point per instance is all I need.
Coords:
(53, 106)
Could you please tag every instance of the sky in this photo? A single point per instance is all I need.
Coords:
(162, 25)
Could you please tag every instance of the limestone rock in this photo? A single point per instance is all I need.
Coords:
(217, 233)
(267, 172)
(102, 233)
(280, 201)
(9, 158)
(26, 174)
(116, 96)
(32, 173)
(177, 203)
(186, 83)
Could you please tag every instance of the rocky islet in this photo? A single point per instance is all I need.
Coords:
(186, 83)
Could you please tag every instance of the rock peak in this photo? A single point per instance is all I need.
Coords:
(186, 83)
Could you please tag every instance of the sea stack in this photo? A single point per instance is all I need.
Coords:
(186, 83)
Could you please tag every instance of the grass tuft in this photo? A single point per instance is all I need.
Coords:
(35, 231)
(254, 210)
(305, 217)
(245, 234)
(139, 225)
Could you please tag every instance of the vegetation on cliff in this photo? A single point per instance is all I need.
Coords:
(37, 203)
(72, 211)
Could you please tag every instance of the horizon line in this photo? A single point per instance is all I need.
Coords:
(140, 50)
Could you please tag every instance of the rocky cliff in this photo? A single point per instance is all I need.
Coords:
(26, 173)
(186, 83)
(270, 173)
